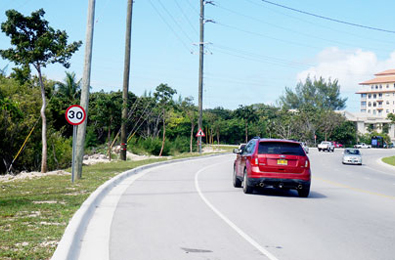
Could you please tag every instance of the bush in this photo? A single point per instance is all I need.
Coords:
(60, 151)
(149, 145)
(180, 145)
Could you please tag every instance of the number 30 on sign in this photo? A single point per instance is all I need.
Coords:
(75, 115)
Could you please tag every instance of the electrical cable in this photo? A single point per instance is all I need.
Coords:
(302, 33)
(168, 25)
(174, 20)
(329, 18)
(186, 17)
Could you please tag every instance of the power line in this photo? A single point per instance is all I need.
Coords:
(186, 17)
(329, 18)
(171, 28)
(174, 20)
(266, 36)
(301, 33)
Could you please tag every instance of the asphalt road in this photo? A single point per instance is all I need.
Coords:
(190, 210)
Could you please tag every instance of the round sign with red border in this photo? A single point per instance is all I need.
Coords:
(75, 115)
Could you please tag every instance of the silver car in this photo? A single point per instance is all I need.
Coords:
(352, 156)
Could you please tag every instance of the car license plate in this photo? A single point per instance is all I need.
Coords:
(282, 162)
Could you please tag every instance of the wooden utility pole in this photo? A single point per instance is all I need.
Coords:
(201, 55)
(126, 72)
(86, 78)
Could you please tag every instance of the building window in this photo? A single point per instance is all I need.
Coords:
(369, 111)
(374, 96)
(363, 110)
(387, 95)
(388, 86)
(363, 95)
(374, 112)
(387, 102)
(387, 111)
(374, 104)
(377, 87)
(373, 86)
(370, 95)
(381, 86)
(380, 95)
(369, 104)
(363, 103)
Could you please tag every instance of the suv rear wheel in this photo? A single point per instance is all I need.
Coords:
(246, 188)
(304, 192)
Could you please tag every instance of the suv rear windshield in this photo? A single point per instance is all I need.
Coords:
(280, 148)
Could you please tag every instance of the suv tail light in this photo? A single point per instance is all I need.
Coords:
(306, 164)
(254, 161)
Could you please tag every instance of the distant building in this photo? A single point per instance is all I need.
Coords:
(377, 101)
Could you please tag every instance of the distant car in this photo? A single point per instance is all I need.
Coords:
(352, 156)
(272, 163)
(362, 145)
(337, 145)
(326, 146)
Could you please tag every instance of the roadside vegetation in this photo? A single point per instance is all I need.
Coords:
(389, 160)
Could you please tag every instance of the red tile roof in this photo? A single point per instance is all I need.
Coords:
(387, 76)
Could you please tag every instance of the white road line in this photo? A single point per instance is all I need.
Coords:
(227, 221)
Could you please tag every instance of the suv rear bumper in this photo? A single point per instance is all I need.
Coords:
(278, 183)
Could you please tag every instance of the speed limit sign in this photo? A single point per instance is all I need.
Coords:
(75, 115)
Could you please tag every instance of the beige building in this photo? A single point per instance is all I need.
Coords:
(377, 101)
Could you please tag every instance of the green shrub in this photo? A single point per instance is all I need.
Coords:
(180, 145)
(60, 151)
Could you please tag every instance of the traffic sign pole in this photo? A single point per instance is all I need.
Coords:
(75, 115)
(73, 159)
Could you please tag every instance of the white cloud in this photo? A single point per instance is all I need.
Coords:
(349, 67)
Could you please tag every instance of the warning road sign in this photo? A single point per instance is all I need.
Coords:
(200, 133)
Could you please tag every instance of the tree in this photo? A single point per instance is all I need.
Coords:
(164, 95)
(190, 110)
(316, 94)
(313, 102)
(248, 114)
(37, 44)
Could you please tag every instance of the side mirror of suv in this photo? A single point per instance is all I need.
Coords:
(237, 151)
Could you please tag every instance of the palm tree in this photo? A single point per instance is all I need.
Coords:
(70, 89)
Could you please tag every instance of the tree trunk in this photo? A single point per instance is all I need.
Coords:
(164, 134)
(191, 140)
(246, 131)
(109, 140)
(44, 167)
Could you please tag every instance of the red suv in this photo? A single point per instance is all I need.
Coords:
(272, 163)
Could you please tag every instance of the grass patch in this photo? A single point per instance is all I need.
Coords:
(34, 213)
(389, 160)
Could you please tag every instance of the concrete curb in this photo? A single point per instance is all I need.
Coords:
(69, 245)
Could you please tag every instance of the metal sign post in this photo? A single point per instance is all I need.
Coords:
(199, 135)
(75, 115)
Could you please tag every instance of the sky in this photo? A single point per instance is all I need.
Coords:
(254, 49)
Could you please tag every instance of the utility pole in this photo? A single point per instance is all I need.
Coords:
(201, 63)
(126, 73)
(84, 102)
(201, 55)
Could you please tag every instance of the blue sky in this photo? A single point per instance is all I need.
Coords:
(254, 49)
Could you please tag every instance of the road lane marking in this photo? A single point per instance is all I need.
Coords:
(227, 221)
(354, 189)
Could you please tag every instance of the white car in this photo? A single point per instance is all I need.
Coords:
(352, 156)
(326, 146)
(362, 145)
